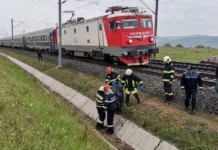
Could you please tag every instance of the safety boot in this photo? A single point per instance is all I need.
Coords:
(110, 130)
(100, 126)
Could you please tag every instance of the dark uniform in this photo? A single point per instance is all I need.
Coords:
(167, 78)
(110, 104)
(130, 86)
(39, 52)
(100, 109)
(189, 82)
(112, 78)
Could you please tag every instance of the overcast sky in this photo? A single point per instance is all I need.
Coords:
(176, 17)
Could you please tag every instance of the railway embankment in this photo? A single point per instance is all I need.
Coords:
(168, 122)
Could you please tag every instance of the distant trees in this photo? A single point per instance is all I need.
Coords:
(167, 45)
(180, 46)
(200, 46)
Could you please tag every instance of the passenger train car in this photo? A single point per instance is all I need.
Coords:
(125, 36)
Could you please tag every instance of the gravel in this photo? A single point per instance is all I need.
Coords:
(206, 99)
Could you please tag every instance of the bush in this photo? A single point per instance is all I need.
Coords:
(200, 46)
(179, 45)
(167, 45)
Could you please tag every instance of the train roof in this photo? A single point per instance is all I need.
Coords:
(39, 32)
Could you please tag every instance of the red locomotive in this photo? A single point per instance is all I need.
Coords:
(126, 36)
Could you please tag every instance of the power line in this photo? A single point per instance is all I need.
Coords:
(29, 8)
(25, 8)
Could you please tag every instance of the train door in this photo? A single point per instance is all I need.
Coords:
(100, 35)
(52, 44)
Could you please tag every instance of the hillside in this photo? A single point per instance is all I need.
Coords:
(190, 41)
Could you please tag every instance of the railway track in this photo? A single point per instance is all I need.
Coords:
(156, 68)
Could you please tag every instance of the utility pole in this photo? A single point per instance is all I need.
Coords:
(60, 37)
(156, 20)
(12, 33)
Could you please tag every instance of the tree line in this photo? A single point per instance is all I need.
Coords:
(181, 46)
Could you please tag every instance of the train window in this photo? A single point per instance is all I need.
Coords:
(100, 27)
(118, 25)
(111, 23)
(65, 32)
(75, 30)
(146, 23)
(87, 28)
(130, 23)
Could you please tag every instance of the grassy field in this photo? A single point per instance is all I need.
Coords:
(31, 118)
(193, 55)
(171, 123)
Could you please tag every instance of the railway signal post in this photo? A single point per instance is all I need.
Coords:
(12, 32)
(60, 37)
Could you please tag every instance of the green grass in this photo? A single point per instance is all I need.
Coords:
(193, 55)
(171, 123)
(33, 119)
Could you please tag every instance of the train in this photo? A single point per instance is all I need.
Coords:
(123, 35)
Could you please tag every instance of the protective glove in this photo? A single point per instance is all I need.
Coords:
(114, 82)
(201, 88)
(182, 87)
(142, 87)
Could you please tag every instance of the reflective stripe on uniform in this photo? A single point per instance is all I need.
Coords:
(172, 71)
(99, 121)
(99, 106)
(141, 82)
(166, 80)
(166, 71)
(172, 76)
(170, 93)
(99, 96)
(99, 101)
(133, 83)
(133, 92)
(110, 126)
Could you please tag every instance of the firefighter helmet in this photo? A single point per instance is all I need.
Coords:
(109, 70)
(101, 88)
(128, 72)
(107, 88)
(167, 59)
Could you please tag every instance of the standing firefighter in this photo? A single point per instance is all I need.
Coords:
(39, 54)
(130, 80)
(168, 78)
(190, 81)
(100, 108)
(112, 77)
(111, 106)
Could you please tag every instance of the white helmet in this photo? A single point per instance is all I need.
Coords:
(128, 72)
(101, 88)
(167, 59)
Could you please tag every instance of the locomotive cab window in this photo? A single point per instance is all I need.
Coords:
(75, 30)
(146, 23)
(118, 25)
(111, 23)
(100, 27)
(87, 28)
(130, 23)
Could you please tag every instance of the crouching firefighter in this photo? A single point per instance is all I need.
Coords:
(167, 78)
(110, 106)
(111, 77)
(130, 80)
(100, 108)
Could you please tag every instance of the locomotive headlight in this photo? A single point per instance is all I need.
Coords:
(130, 41)
(152, 39)
(125, 53)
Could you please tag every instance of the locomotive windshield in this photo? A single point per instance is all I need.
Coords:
(130, 23)
(146, 23)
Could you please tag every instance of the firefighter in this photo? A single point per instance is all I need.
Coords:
(100, 108)
(39, 52)
(112, 77)
(190, 81)
(167, 78)
(130, 80)
(110, 106)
